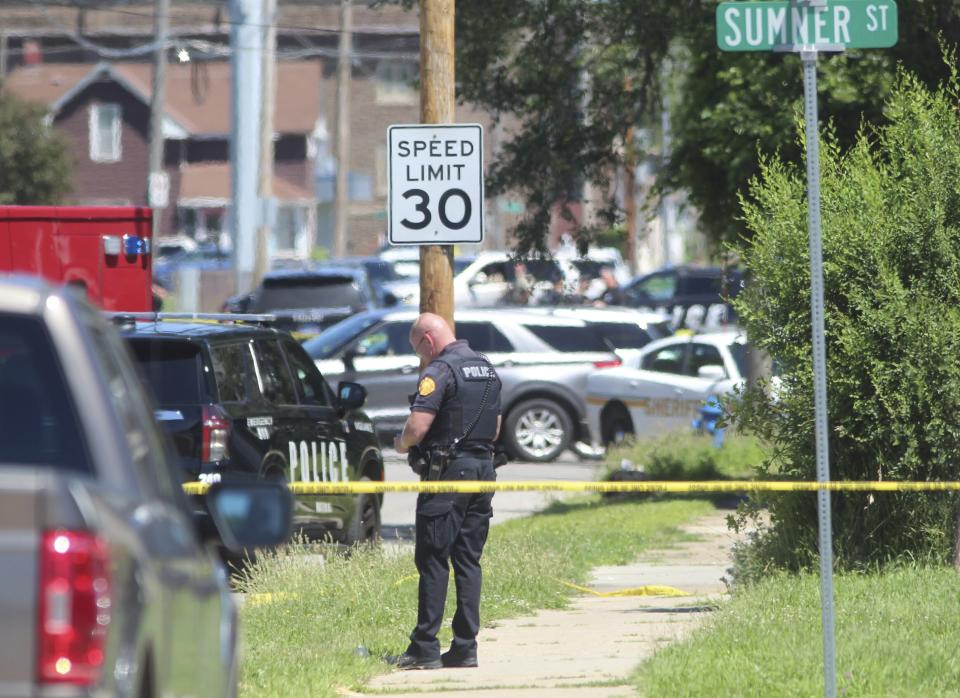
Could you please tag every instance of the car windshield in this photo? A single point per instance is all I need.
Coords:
(308, 292)
(381, 271)
(334, 338)
(38, 418)
(171, 369)
(410, 269)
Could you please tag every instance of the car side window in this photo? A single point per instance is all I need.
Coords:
(389, 339)
(665, 360)
(311, 388)
(660, 287)
(495, 272)
(275, 379)
(230, 370)
(483, 337)
(704, 355)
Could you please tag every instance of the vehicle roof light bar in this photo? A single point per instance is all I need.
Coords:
(208, 317)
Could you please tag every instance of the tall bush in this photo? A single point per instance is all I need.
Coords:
(891, 246)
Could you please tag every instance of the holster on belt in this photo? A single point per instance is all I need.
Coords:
(438, 458)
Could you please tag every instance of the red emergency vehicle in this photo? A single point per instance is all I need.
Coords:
(104, 250)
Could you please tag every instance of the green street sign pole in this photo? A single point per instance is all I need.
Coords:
(808, 27)
(809, 59)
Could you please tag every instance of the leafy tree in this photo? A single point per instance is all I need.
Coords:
(732, 106)
(576, 75)
(34, 166)
(891, 246)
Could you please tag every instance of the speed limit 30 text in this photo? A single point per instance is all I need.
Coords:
(435, 148)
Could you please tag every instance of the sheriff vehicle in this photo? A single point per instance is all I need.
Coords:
(664, 387)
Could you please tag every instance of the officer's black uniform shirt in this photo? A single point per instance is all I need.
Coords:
(437, 382)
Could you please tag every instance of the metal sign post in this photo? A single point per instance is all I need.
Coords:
(808, 27)
(809, 58)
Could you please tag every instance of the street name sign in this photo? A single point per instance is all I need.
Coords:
(436, 184)
(765, 26)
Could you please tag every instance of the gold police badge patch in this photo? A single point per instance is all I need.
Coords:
(427, 386)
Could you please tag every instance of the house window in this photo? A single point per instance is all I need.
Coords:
(395, 83)
(105, 121)
(291, 220)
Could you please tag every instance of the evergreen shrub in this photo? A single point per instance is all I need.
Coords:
(891, 250)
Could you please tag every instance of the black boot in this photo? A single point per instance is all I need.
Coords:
(412, 661)
(459, 660)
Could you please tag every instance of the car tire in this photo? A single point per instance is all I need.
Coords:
(364, 526)
(616, 426)
(538, 430)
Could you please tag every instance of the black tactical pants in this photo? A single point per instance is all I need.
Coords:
(451, 527)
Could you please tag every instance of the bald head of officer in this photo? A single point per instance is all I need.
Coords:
(430, 335)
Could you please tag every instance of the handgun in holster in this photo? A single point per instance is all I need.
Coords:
(438, 458)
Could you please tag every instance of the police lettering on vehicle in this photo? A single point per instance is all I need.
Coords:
(323, 462)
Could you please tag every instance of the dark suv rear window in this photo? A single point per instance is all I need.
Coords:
(574, 338)
(38, 417)
(173, 370)
(623, 335)
(309, 292)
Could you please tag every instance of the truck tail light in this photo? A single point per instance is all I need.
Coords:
(609, 363)
(216, 430)
(74, 607)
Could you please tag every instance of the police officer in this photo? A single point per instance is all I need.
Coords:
(454, 421)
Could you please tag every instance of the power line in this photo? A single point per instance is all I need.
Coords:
(334, 31)
(201, 46)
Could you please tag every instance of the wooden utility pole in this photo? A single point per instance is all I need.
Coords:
(157, 185)
(267, 101)
(437, 102)
(630, 188)
(3, 57)
(344, 74)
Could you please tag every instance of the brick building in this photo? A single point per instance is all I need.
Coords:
(63, 57)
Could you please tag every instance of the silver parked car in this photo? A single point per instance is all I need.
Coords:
(542, 360)
(109, 588)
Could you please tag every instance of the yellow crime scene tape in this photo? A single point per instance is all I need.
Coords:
(648, 590)
(476, 486)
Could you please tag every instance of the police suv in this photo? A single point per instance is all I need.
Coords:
(243, 400)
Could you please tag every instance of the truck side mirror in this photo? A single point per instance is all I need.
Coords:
(350, 396)
(251, 514)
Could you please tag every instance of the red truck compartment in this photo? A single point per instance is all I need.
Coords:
(107, 250)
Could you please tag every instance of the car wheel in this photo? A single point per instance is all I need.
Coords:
(538, 430)
(364, 526)
(616, 425)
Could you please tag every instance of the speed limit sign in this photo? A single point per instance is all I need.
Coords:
(436, 184)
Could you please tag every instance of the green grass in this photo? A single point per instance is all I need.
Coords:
(302, 642)
(897, 634)
(686, 455)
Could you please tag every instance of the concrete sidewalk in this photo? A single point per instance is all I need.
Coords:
(590, 648)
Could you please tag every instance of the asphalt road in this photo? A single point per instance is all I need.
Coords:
(398, 507)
